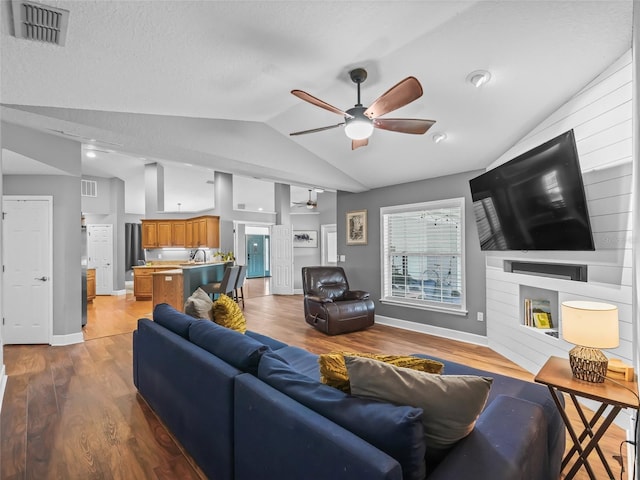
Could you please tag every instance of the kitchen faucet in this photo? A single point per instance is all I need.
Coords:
(195, 253)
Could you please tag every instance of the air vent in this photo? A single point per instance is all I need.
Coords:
(43, 23)
(88, 188)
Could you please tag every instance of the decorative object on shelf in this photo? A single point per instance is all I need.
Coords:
(537, 313)
(589, 326)
(305, 238)
(618, 369)
(357, 227)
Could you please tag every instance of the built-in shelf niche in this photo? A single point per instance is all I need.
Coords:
(527, 291)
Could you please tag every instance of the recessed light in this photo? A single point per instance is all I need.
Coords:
(478, 78)
(91, 154)
(188, 165)
(318, 190)
(439, 137)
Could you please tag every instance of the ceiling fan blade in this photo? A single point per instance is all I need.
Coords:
(318, 103)
(359, 143)
(404, 125)
(397, 96)
(314, 130)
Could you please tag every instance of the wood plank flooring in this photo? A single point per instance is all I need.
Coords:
(72, 412)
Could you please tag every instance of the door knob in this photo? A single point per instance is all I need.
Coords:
(42, 279)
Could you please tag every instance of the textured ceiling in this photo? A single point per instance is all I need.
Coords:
(208, 82)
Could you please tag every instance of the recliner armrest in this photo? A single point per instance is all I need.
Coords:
(315, 298)
(356, 295)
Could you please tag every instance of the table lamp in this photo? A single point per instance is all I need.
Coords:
(589, 326)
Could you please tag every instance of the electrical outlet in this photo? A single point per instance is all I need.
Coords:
(480, 317)
(159, 255)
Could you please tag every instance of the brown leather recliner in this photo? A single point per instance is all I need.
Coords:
(330, 306)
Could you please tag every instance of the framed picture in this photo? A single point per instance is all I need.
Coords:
(305, 238)
(357, 227)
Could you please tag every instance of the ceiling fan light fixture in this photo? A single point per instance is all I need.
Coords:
(359, 126)
(478, 78)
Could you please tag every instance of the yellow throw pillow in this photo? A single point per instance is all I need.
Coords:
(227, 313)
(333, 370)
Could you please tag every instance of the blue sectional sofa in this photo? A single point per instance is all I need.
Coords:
(251, 407)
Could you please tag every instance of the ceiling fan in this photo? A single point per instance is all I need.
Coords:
(360, 121)
(310, 204)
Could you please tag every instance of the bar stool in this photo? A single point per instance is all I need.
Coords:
(227, 285)
(238, 291)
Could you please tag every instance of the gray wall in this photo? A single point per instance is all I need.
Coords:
(362, 263)
(108, 208)
(65, 190)
(67, 288)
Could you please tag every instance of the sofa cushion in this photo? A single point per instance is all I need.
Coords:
(396, 430)
(451, 403)
(268, 341)
(233, 347)
(227, 313)
(178, 322)
(333, 371)
(199, 304)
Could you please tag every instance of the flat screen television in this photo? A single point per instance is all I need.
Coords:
(535, 201)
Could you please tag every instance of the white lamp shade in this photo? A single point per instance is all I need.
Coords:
(590, 324)
(357, 129)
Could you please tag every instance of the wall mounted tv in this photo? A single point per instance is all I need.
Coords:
(535, 201)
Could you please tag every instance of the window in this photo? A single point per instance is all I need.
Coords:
(423, 255)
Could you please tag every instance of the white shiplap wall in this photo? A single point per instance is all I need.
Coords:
(600, 116)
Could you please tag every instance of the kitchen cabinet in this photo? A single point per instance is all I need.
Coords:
(91, 284)
(149, 234)
(164, 233)
(203, 232)
(143, 281)
(178, 233)
(208, 231)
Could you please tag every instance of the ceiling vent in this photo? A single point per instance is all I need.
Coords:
(43, 23)
(89, 188)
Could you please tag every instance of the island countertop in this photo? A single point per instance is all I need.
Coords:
(186, 278)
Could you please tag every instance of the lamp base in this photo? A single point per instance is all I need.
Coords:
(588, 364)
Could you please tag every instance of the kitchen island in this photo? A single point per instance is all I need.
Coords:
(174, 286)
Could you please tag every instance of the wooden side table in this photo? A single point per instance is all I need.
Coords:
(557, 376)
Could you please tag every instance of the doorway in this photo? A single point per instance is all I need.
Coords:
(27, 243)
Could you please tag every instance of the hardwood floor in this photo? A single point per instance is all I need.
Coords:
(73, 413)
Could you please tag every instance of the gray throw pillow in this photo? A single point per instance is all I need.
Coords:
(451, 403)
(199, 305)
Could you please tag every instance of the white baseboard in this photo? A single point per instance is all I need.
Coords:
(119, 292)
(298, 291)
(3, 384)
(431, 330)
(61, 340)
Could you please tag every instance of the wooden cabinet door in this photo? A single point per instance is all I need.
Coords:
(178, 233)
(164, 233)
(149, 234)
(188, 234)
(213, 232)
(202, 232)
(142, 283)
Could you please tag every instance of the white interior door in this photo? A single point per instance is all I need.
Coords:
(27, 244)
(100, 253)
(282, 260)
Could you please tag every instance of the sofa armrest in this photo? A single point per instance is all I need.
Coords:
(317, 299)
(509, 442)
(277, 437)
(356, 295)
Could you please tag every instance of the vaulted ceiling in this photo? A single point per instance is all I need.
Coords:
(208, 82)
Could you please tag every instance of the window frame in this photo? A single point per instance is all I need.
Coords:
(385, 263)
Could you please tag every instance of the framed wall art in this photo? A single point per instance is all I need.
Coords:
(357, 227)
(305, 238)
